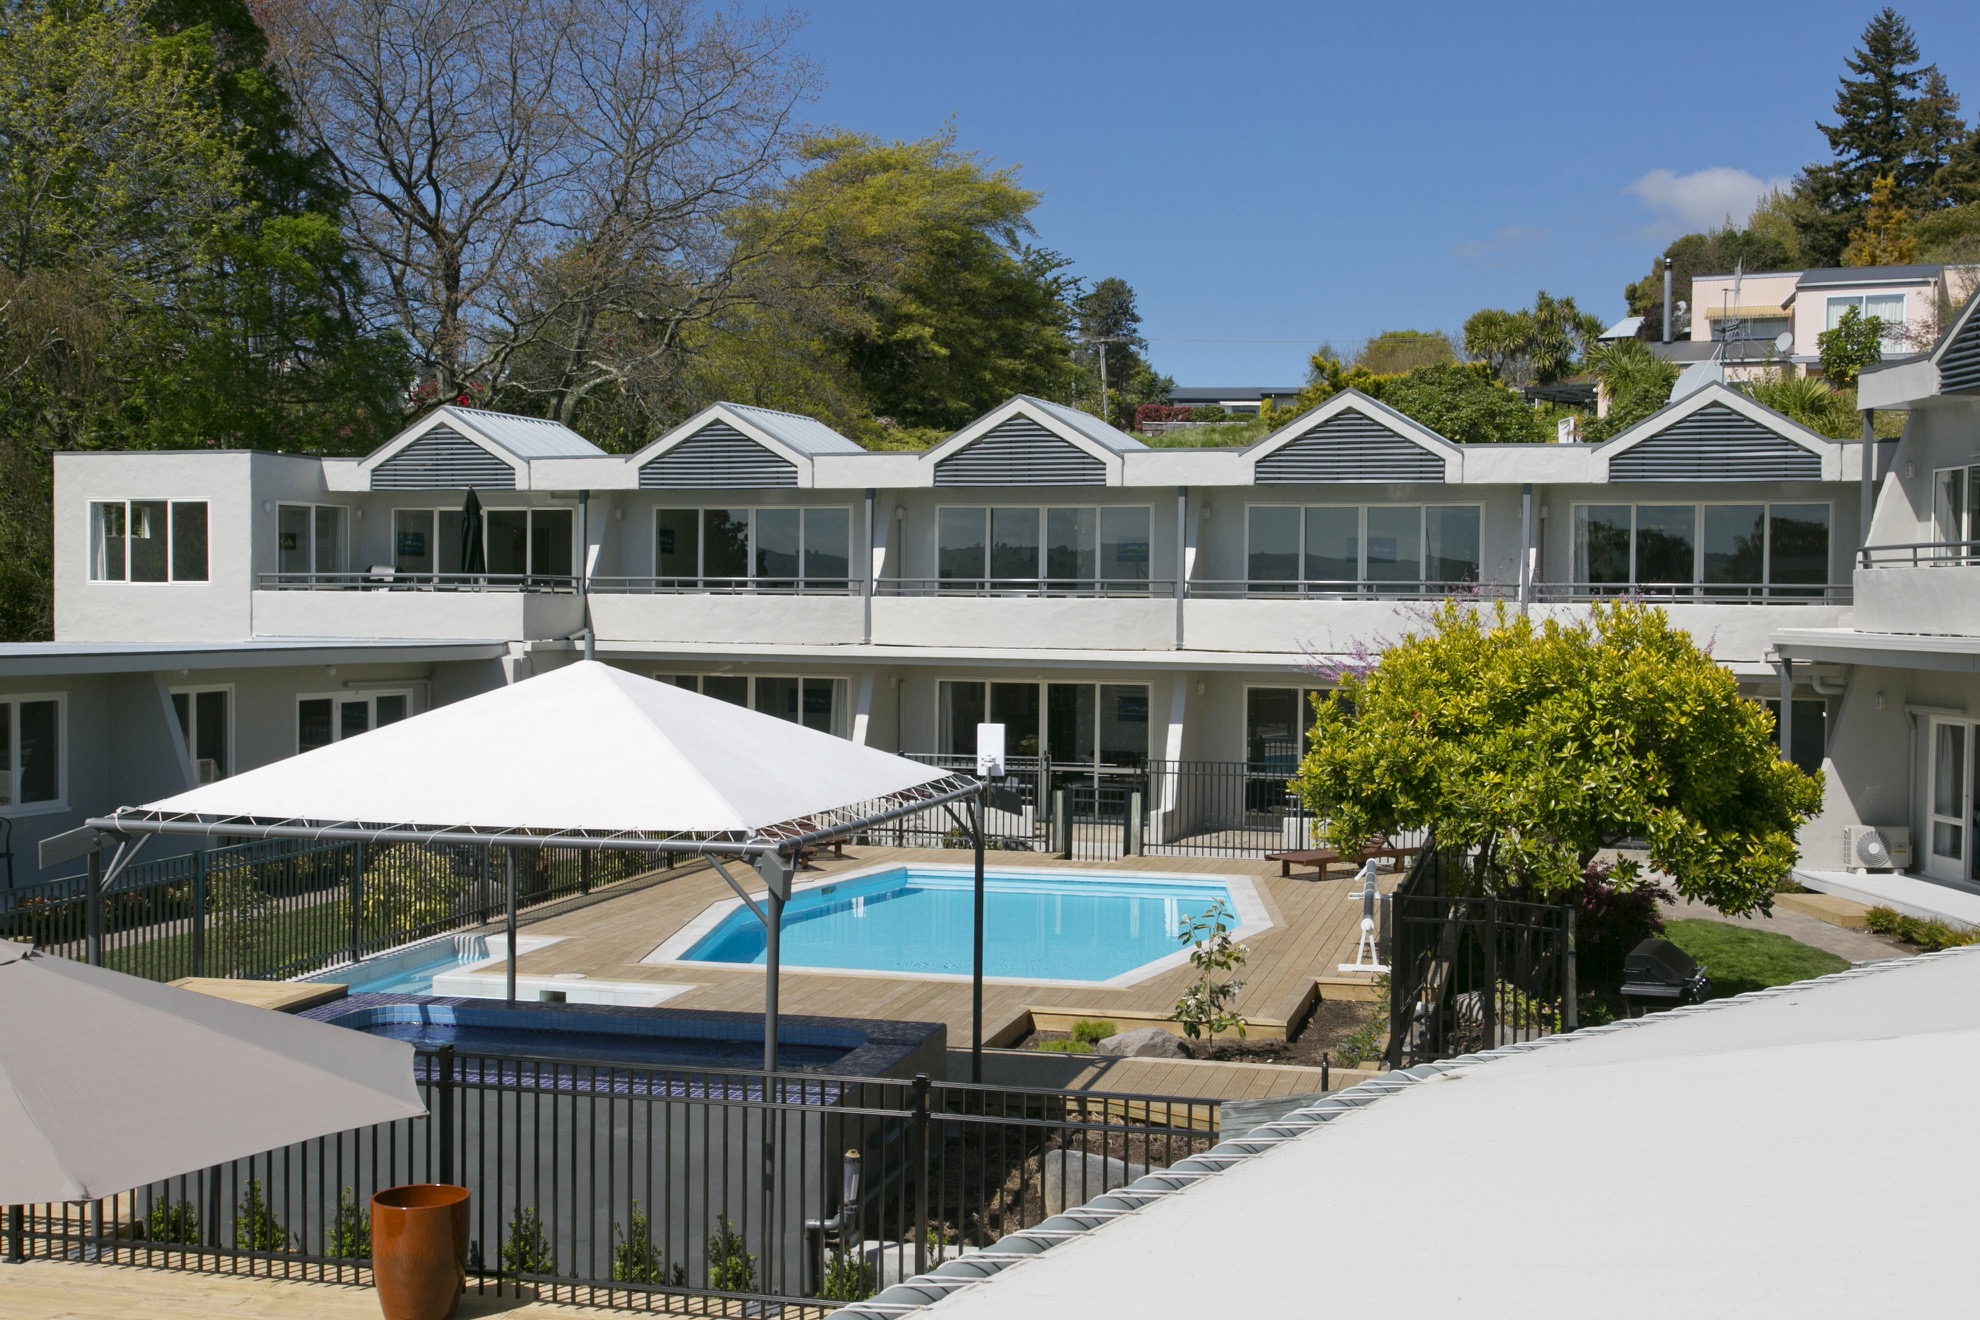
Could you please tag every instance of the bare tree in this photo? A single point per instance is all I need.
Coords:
(538, 186)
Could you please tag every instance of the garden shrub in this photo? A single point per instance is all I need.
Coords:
(349, 1237)
(526, 1247)
(634, 1257)
(407, 891)
(169, 1221)
(255, 1226)
(1926, 933)
(731, 1265)
(848, 1276)
(1085, 1034)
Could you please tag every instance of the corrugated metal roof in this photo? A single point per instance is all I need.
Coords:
(1087, 425)
(807, 435)
(525, 437)
(1815, 279)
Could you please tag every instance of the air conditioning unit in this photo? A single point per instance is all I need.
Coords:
(1877, 847)
(206, 770)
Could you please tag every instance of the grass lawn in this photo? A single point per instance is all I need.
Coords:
(1739, 958)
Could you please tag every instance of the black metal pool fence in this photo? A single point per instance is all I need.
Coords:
(639, 1187)
(273, 909)
(1471, 972)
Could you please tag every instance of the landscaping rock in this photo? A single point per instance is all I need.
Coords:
(1141, 1043)
(1074, 1177)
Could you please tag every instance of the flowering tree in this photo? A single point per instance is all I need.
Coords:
(1535, 746)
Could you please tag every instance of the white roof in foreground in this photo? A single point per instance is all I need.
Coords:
(1754, 1159)
(585, 747)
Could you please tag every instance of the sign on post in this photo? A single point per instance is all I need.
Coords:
(990, 751)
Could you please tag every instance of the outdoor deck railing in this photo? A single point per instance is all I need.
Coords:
(1340, 589)
(1920, 554)
(725, 1192)
(1697, 593)
(392, 579)
(723, 586)
(1097, 588)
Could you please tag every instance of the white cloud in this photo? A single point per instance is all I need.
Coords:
(1703, 199)
(1502, 241)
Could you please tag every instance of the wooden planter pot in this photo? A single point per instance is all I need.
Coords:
(419, 1236)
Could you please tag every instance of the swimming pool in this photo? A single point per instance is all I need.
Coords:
(1076, 927)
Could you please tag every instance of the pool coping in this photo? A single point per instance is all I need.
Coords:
(1254, 919)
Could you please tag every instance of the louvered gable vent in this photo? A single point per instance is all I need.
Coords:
(1959, 365)
(1350, 446)
(443, 459)
(1716, 444)
(719, 457)
(1020, 452)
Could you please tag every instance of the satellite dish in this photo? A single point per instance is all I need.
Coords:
(1783, 342)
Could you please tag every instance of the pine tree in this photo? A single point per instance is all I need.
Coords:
(1884, 238)
(1895, 118)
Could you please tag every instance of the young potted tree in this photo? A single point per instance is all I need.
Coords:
(419, 1237)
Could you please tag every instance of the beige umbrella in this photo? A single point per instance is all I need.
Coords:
(109, 1082)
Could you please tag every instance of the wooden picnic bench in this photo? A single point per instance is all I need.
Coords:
(1322, 858)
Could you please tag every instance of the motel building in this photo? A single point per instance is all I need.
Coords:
(1147, 624)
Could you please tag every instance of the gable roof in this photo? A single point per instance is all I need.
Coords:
(525, 437)
(807, 435)
(1957, 354)
(1718, 433)
(1352, 437)
(1087, 425)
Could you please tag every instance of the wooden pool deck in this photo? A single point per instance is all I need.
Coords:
(1315, 925)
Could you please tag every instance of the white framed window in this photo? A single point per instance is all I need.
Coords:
(786, 547)
(311, 539)
(1352, 547)
(1886, 307)
(322, 719)
(1075, 724)
(1748, 549)
(34, 761)
(1955, 514)
(816, 703)
(536, 542)
(426, 541)
(147, 541)
(1054, 547)
(1277, 721)
(207, 726)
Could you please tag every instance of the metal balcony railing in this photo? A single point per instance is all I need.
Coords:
(1696, 593)
(1921, 554)
(725, 586)
(1096, 587)
(1337, 589)
(389, 579)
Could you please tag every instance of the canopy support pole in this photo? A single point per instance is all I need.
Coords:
(510, 876)
(773, 972)
(976, 964)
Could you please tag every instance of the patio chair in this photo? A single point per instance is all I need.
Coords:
(1322, 858)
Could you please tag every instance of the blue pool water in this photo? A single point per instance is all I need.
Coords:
(916, 920)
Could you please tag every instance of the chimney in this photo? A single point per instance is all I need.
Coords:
(1667, 300)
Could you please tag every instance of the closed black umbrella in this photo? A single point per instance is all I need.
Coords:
(472, 560)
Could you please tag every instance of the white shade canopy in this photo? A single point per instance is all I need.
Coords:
(583, 748)
(109, 1082)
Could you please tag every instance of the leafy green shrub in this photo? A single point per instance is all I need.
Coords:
(1208, 412)
(167, 1221)
(255, 1226)
(1085, 1034)
(1926, 933)
(731, 1265)
(848, 1276)
(349, 1237)
(407, 891)
(526, 1247)
(634, 1257)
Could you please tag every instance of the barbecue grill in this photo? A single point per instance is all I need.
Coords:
(1657, 973)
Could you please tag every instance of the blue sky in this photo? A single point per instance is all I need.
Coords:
(1270, 175)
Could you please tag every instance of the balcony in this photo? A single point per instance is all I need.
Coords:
(385, 603)
(1927, 587)
(815, 611)
(1130, 614)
